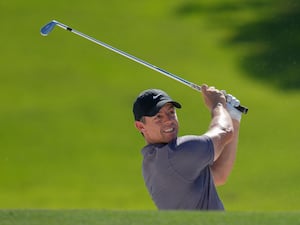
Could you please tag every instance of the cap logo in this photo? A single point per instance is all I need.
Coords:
(156, 96)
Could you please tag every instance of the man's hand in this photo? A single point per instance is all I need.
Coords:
(231, 103)
(212, 97)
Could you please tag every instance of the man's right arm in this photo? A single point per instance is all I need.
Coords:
(222, 167)
(220, 130)
(221, 127)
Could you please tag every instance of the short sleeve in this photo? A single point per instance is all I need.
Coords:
(189, 155)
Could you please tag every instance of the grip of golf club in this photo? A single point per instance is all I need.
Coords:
(242, 109)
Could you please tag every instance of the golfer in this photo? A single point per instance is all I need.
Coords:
(181, 173)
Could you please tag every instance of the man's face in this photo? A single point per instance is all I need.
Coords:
(161, 128)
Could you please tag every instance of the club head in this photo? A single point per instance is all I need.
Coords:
(45, 30)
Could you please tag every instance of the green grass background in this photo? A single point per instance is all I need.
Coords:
(67, 138)
(115, 217)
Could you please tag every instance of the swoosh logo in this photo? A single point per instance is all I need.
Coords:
(156, 96)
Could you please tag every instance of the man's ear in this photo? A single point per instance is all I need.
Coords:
(139, 125)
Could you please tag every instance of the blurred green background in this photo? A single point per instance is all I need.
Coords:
(67, 138)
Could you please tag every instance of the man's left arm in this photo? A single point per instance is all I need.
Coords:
(222, 167)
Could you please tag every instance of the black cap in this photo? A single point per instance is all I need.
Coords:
(150, 101)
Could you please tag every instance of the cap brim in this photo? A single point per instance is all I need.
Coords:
(161, 104)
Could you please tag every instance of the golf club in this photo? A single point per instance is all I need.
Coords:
(45, 30)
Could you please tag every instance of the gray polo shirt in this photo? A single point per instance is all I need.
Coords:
(178, 176)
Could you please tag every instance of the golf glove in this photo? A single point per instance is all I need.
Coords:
(231, 103)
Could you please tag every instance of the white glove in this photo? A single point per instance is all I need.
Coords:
(231, 103)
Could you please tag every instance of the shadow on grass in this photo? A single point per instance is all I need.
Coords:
(270, 39)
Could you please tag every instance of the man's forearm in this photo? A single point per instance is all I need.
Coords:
(220, 130)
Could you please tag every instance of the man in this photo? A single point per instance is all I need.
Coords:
(182, 172)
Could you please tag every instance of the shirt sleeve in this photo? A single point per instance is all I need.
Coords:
(189, 155)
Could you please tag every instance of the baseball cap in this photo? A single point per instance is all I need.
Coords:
(150, 101)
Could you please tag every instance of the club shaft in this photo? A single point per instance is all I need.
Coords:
(131, 57)
(140, 61)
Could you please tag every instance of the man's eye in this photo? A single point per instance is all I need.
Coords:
(157, 117)
(172, 112)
